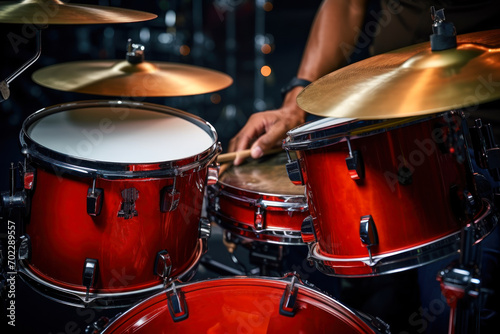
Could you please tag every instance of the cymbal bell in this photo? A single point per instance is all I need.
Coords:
(411, 81)
(44, 12)
(122, 78)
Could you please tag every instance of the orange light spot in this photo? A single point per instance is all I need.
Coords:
(268, 6)
(266, 49)
(184, 50)
(215, 98)
(265, 70)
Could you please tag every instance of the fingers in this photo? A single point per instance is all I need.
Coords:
(269, 140)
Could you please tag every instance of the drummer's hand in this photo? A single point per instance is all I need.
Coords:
(265, 130)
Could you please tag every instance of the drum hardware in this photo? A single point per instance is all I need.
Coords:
(14, 198)
(307, 230)
(169, 198)
(4, 85)
(461, 285)
(486, 151)
(368, 234)
(354, 162)
(127, 209)
(163, 265)
(204, 229)
(24, 249)
(89, 275)
(176, 303)
(132, 77)
(444, 34)
(289, 298)
(58, 12)
(94, 200)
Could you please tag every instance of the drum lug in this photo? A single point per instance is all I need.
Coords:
(354, 163)
(169, 198)
(177, 305)
(29, 179)
(94, 200)
(129, 195)
(288, 299)
(163, 265)
(213, 175)
(294, 172)
(307, 230)
(89, 275)
(98, 326)
(24, 250)
(368, 234)
(259, 219)
(204, 228)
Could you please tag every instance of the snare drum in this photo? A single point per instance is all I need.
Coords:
(244, 305)
(256, 201)
(116, 197)
(384, 196)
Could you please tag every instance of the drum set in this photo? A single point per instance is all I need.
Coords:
(118, 197)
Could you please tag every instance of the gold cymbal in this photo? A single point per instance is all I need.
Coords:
(44, 12)
(411, 81)
(121, 78)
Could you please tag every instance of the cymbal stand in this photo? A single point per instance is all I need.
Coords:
(4, 85)
(461, 284)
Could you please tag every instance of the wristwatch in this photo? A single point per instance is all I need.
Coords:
(295, 82)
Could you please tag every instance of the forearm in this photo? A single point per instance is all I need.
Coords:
(333, 33)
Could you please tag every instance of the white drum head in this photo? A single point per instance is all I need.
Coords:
(120, 134)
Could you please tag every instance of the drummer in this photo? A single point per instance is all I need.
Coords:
(342, 31)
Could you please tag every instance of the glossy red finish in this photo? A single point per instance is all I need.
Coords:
(63, 235)
(241, 305)
(406, 216)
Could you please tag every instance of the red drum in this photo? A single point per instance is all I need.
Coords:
(256, 201)
(244, 305)
(384, 196)
(117, 192)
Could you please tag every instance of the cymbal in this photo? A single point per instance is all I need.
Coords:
(57, 12)
(411, 81)
(122, 78)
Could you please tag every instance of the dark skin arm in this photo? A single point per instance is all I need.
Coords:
(337, 23)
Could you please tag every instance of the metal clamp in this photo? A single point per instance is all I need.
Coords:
(89, 275)
(177, 305)
(354, 163)
(94, 200)
(368, 234)
(169, 198)
(163, 265)
(289, 298)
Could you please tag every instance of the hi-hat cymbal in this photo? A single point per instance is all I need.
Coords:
(121, 78)
(411, 81)
(44, 12)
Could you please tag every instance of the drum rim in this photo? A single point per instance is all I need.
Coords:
(354, 316)
(76, 298)
(393, 262)
(353, 128)
(51, 159)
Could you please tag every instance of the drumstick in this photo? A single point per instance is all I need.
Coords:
(229, 157)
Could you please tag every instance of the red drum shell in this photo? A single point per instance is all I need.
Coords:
(406, 216)
(63, 235)
(263, 187)
(241, 305)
